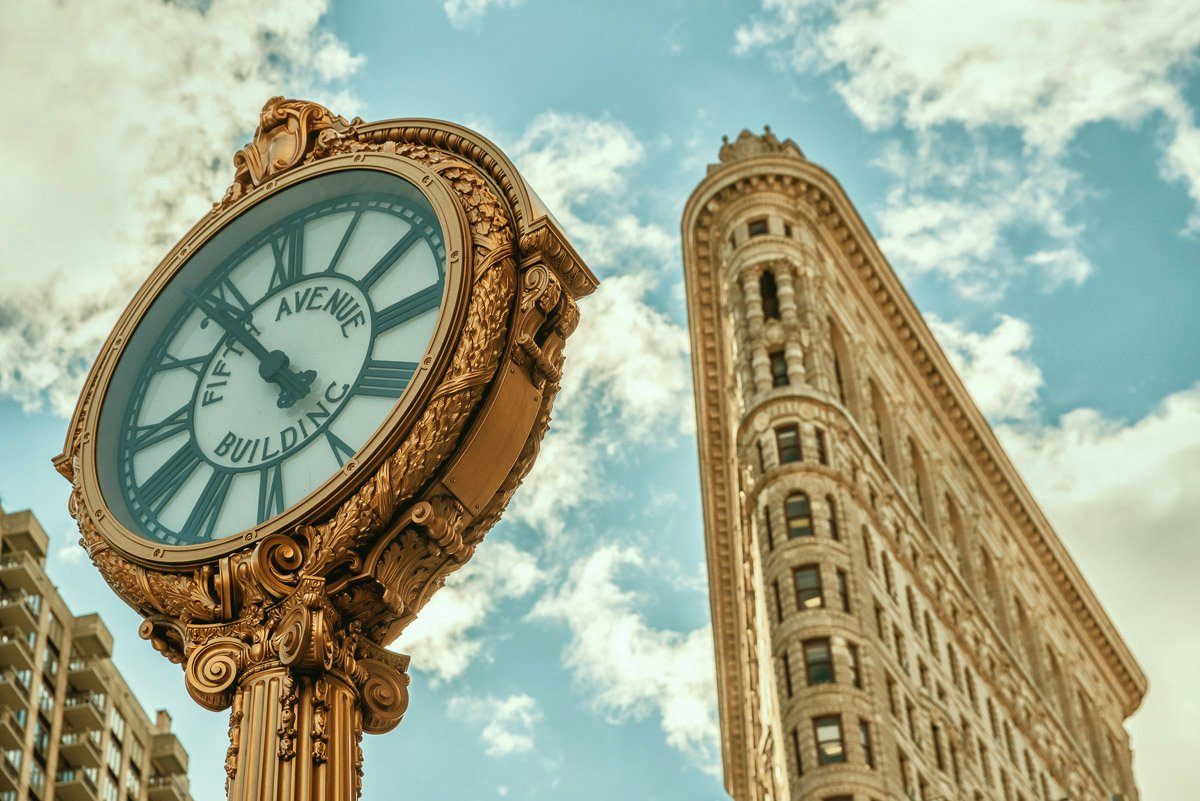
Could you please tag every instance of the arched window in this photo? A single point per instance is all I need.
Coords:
(995, 604)
(834, 531)
(770, 295)
(1060, 688)
(917, 465)
(959, 536)
(1030, 646)
(798, 511)
(880, 422)
(841, 361)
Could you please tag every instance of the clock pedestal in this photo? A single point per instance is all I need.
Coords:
(284, 624)
(302, 687)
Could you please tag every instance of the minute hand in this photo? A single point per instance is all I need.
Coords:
(272, 365)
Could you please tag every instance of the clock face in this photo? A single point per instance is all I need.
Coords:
(271, 357)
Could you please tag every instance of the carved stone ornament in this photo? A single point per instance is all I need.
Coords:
(286, 623)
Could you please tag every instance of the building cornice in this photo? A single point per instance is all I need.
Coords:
(848, 238)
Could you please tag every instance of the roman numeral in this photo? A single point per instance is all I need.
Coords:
(193, 364)
(341, 451)
(160, 488)
(227, 294)
(270, 491)
(385, 379)
(337, 254)
(404, 310)
(174, 423)
(395, 252)
(207, 509)
(289, 258)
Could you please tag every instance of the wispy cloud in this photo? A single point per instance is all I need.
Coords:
(465, 13)
(995, 365)
(445, 639)
(508, 722)
(132, 111)
(633, 668)
(1034, 71)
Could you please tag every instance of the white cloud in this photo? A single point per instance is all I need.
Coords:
(626, 382)
(995, 365)
(463, 13)
(1035, 70)
(579, 166)
(444, 639)
(1123, 497)
(631, 361)
(956, 208)
(127, 114)
(632, 668)
(507, 722)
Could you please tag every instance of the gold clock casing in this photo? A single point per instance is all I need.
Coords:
(321, 501)
(286, 622)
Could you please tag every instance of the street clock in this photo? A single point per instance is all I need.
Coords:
(311, 413)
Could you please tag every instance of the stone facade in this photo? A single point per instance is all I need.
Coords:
(893, 615)
(70, 729)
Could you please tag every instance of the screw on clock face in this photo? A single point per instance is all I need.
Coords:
(273, 365)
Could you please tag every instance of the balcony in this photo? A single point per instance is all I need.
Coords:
(84, 711)
(12, 732)
(169, 787)
(10, 773)
(87, 675)
(91, 637)
(20, 531)
(73, 784)
(167, 754)
(81, 748)
(15, 649)
(14, 689)
(20, 571)
(19, 610)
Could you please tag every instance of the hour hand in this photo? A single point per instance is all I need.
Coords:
(292, 385)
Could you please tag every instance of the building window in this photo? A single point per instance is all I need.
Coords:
(770, 295)
(834, 532)
(778, 603)
(787, 674)
(767, 529)
(822, 452)
(868, 557)
(935, 734)
(796, 752)
(888, 580)
(843, 591)
(808, 587)
(930, 635)
(798, 512)
(758, 227)
(779, 375)
(852, 660)
(864, 739)
(762, 457)
(830, 747)
(901, 651)
(787, 440)
(910, 713)
(818, 662)
(787, 229)
(893, 698)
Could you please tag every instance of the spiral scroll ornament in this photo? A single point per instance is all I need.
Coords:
(212, 672)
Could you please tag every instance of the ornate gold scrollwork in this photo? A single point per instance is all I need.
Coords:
(212, 671)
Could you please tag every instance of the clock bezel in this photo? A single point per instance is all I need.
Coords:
(321, 501)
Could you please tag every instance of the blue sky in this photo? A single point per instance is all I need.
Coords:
(1032, 170)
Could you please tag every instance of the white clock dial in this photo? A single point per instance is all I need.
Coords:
(275, 364)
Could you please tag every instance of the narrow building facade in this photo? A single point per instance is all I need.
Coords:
(893, 615)
(70, 729)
